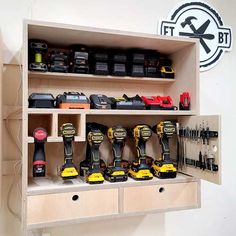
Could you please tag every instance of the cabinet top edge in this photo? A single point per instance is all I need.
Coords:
(35, 23)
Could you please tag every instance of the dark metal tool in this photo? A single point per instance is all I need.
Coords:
(194, 35)
(198, 32)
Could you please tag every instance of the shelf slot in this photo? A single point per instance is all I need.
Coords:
(40, 120)
(70, 118)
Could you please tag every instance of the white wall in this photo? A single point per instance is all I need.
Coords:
(218, 213)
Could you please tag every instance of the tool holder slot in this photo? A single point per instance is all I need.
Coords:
(40, 120)
(70, 118)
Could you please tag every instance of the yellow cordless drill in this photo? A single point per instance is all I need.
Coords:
(90, 168)
(164, 168)
(139, 170)
(117, 136)
(68, 170)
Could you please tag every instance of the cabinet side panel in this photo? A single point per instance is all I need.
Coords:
(1, 117)
(24, 125)
(186, 66)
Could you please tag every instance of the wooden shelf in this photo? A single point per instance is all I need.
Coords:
(64, 34)
(57, 139)
(100, 78)
(110, 112)
(56, 184)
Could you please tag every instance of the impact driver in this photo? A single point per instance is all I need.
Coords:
(90, 167)
(68, 170)
(116, 172)
(139, 170)
(164, 168)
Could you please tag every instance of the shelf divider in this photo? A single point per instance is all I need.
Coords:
(100, 78)
(109, 112)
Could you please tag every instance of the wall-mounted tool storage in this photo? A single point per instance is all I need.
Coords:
(121, 116)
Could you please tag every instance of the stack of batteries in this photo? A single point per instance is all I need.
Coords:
(100, 61)
(76, 100)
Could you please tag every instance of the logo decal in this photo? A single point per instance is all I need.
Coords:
(199, 20)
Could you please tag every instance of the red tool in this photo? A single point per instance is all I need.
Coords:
(184, 103)
(158, 103)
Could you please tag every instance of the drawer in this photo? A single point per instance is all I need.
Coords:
(72, 205)
(160, 197)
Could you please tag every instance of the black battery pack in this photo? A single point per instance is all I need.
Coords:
(101, 68)
(99, 61)
(151, 63)
(166, 69)
(79, 60)
(58, 62)
(128, 103)
(137, 71)
(41, 100)
(99, 101)
(119, 61)
(137, 64)
(37, 55)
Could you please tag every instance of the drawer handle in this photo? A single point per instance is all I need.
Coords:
(75, 197)
(161, 190)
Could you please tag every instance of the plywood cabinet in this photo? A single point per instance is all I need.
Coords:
(1, 118)
(49, 201)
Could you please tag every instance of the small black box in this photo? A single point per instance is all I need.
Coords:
(41, 100)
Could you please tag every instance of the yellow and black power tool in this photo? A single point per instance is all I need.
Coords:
(115, 172)
(68, 170)
(90, 167)
(164, 168)
(139, 170)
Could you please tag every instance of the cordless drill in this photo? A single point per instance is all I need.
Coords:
(90, 168)
(68, 170)
(139, 170)
(117, 136)
(164, 167)
(39, 160)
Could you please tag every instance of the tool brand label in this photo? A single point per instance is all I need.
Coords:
(199, 20)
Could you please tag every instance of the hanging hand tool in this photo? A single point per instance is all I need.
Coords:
(90, 167)
(68, 170)
(201, 165)
(39, 160)
(139, 170)
(117, 136)
(181, 145)
(179, 160)
(196, 35)
(211, 163)
(164, 168)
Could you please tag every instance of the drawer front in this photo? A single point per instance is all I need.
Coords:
(158, 197)
(72, 205)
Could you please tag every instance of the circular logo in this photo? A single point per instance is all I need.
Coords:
(199, 20)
